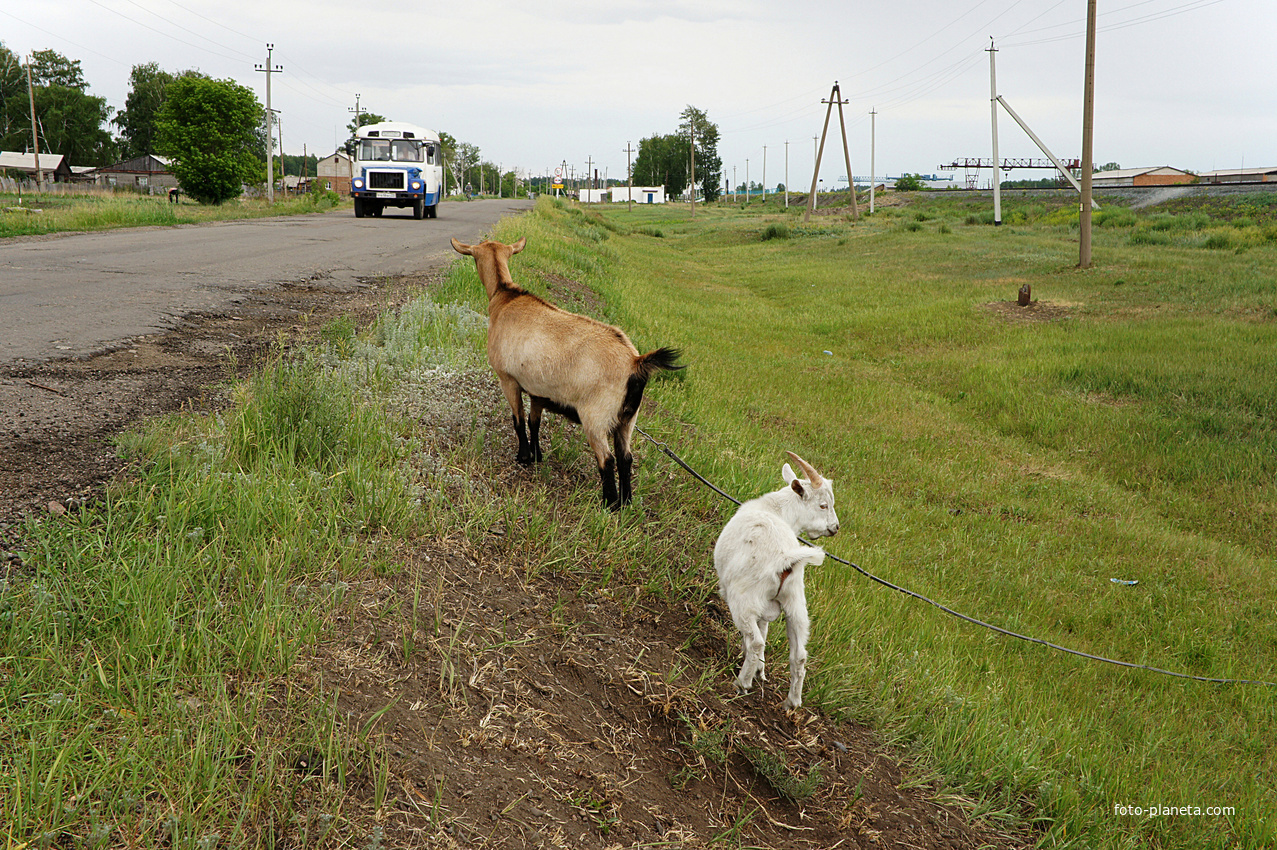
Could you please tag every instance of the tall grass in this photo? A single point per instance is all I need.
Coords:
(1012, 470)
(42, 214)
(1008, 468)
(141, 656)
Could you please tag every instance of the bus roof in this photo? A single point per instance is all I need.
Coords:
(396, 130)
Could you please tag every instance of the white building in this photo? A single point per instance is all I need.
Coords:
(642, 194)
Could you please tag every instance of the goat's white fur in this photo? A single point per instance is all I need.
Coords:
(756, 548)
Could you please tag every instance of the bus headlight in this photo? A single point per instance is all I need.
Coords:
(416, 185)
(359, 183)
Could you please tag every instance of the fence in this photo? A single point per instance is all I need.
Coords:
(13, 186)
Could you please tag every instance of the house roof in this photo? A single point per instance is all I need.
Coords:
(26, 161)
(1238, 172)
(1122, 173)
(146, 164)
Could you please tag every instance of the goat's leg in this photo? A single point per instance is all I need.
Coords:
(797, 628)
(607, 470)
(624, 459)
(534, 427)
(514, 395)
(753, 644)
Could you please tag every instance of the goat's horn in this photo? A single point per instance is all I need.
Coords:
(812, 475)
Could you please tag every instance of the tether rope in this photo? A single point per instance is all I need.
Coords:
(974, 621)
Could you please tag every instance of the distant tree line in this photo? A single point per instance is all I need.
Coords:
(666, 160)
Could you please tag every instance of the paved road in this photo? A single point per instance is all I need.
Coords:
(72, 295)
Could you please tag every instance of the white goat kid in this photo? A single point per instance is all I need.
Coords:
(760, 561)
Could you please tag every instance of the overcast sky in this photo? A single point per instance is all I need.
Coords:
(1186, 83)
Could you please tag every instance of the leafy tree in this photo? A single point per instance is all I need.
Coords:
(449, 146)
(50, 68)
(15, 112)
(465, 160)
(71, 123)
(213, 131)
(147, 87)
(363, 119)
(709, 166)
(1110, 166)
(663, 161)
(69, 119)
(909, 183)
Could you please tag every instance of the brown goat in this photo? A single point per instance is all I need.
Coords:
(568, 364)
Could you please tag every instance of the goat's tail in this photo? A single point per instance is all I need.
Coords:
(661, 358)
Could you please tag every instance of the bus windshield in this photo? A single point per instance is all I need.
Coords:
(387, 150)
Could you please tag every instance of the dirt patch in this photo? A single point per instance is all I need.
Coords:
(58, 420)
(524, 713)
(1034, 311)
(508, 711)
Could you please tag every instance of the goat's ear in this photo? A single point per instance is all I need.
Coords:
(787, 473)
(519, 246)
(461, 247)
(797, 487)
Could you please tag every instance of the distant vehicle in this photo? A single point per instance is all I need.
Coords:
(397, 165)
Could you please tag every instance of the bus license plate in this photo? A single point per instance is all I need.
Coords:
(385, 194)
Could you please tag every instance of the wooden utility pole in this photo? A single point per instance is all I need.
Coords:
(764, 175)
(269, 70)
(787, 174)
(35, 135)
(834, 97)
(1088, 126)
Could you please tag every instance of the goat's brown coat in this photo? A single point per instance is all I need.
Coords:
(568, 364)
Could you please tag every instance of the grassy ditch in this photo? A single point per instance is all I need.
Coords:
(1007, 461)
(59, 213)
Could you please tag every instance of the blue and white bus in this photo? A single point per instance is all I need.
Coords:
(397, 165)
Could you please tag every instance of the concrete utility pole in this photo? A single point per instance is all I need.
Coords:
(812, 200)
(846, 155)
(629, 168)
(270, 69)
(764, 174)
(35, 135)
(993, 111)
(834, 98)
(873, 141)
(1088, 126)
(691, 128)
(735, 187)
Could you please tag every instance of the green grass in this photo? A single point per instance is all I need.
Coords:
(57, 213)
(141, 665)
(1008, 468)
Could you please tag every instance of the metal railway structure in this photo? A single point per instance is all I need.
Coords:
(972, 165)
